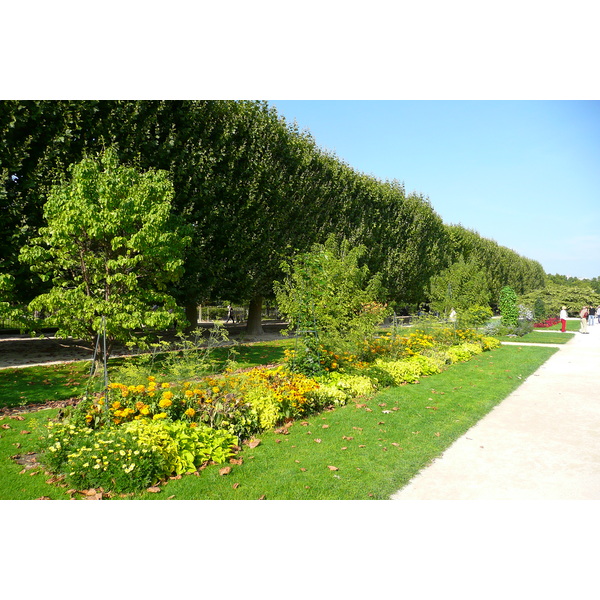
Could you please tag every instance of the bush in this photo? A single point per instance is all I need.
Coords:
(402, 371)
(508, 306)
(475, 316)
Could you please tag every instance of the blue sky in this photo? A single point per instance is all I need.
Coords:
(523, 173)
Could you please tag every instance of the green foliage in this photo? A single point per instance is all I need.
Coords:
(572, 294)
(110, 249)
(133, 456)
(183, 446)
(330, 299)
(460, 286)
(539, 310)
(111, 459)
(508, 306)
(475, 316)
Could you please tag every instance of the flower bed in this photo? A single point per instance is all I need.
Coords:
(547, 323)
(133, 436)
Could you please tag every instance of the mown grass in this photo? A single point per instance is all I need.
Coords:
(540, 337)
(375, 447)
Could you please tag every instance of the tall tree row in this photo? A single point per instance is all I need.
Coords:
(253, 188)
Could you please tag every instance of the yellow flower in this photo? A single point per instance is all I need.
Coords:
(158, 416)
(216, 390)
(165, 402)
(164, 385)
(167, 395)
(188, 393)
(190, 412)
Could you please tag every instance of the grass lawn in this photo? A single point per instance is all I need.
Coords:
(364, 450)
(540, 337)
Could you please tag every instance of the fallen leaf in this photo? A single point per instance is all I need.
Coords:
(382, 404)
(278, 441)
(297, 461)
(347, 437)
(359, 428)
(282, 431)
(263, 497)
(253, 443)
(235, 486)
(302, 469)
(171, 497)
(225, 471)
(432, 407)
(25, 432)
(154, 489)
(304, 423)
(396, 444)
(325, 426)
(332, 468)
(318, 440)
(344, 448)
(369, 409)
(5, 426)
(236, 461)
(381, 423)
(43, 498)
(175, 477)
(18, 418)
(360, 405)
(17, 445)
(438, 434)
(362, 446)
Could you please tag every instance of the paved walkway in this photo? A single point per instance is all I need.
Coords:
(541, 443)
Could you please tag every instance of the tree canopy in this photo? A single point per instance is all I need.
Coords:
(110, 250)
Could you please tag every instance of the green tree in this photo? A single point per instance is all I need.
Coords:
(329, 293)
(111, 249)
(461, 286)
(508, 306)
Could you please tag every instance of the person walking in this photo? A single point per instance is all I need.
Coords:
(230, 314)
(591, 315)
(583, 316)
(563, 318)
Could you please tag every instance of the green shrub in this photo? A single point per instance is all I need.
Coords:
(475, 316)
(402, 371)
(427, 365)
(111, 459)
(265, 406)
(508, 306)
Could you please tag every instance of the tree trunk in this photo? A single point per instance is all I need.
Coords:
(191, 314)
(254, 323)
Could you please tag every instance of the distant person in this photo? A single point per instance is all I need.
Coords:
(230, 314)
(591, 315)
(563, 318)
(583, 317)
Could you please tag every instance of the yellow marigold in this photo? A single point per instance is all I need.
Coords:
(216, 390)
(158, 416)
(140, 389)
(164, 385)
(165, 402)
(145, 410)
(190, 412)
(188, 393)
(116, 405)
(151, 378)
(139, 405)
